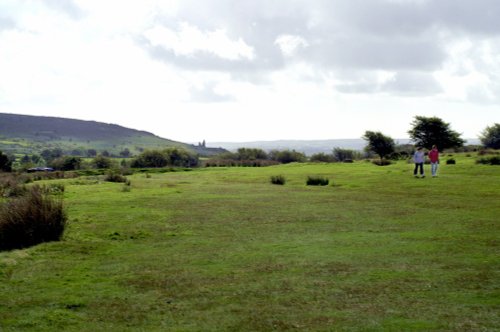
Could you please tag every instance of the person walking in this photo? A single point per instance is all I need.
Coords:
(434, 157)
(419, 158)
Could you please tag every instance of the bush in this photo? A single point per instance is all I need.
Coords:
(287, 156)
(343, 155)
(492, 160)
(31, 219)
(278, 179)
(322, 158)
(451, 161)
(102, 162)
(382, 162)
(317, 181)
(114, 176)
(10, 186)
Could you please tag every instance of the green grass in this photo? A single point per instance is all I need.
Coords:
(222, 249)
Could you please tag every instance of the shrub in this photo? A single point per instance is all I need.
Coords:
(322, 157)
(341, 154)
(10, 186)
(317, 181)
(114, 176)
(31, 219)
(451, 161)
(492, 160)
(382, 162)
(102, 162)
(278, 179)
(287, 156)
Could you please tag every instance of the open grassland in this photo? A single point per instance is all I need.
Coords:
(223, 249)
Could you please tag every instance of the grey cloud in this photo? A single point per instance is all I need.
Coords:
(408, 37)
(377, 54)
(6, 23)
(477, 17)
(412, 83)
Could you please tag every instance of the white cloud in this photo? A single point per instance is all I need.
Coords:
(290, 44)
(189, 40)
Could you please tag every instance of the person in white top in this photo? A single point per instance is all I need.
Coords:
(419, 159)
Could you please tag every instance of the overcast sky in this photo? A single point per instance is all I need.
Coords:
(224, 70)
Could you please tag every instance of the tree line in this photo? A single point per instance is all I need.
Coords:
(424, 132)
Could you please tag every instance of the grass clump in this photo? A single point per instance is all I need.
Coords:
(382, 162)
(317, 181)
(451, 161)
(31, 219)
(278, 179)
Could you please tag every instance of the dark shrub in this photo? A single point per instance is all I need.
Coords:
(341, 154)
(102, 162)
(382, 162)
(114, 175)
(66, 163)
(317, 181)
(322, 158)
(492, 160)
(450, 161)
(278, 179)
(31, 219)
(287, 156)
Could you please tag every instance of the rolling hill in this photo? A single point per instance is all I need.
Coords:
(32, 134)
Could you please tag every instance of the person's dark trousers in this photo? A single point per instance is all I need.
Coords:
(417, 166)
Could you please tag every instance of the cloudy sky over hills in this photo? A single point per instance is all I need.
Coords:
(226, 70)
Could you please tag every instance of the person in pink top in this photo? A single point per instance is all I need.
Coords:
(434, 157)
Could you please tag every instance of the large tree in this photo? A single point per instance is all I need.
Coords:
(379, 143)
(427, 131)
(490, 137)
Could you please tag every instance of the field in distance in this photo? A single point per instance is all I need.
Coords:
(223, 249)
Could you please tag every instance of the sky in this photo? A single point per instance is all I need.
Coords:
(235, 71)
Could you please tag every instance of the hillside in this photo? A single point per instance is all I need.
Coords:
(31, 134)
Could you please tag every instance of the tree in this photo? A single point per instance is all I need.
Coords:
(125, 153)
(66, 163)
(102, 162)
(150, 158)
(379, 143)
(490, 137)
(5, 163)
(427, 131)
(341, 154)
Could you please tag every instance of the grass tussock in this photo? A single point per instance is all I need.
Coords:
(278, 179)
(317, 181)
(31, 219)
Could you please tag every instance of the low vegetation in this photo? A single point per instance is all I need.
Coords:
(278, 179)
(32, 218)
(317, 181)
(222, 249)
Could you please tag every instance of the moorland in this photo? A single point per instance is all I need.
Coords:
(224, 249)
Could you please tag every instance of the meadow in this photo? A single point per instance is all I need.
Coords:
(223, 249)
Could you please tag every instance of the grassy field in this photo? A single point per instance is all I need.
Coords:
(222, 249)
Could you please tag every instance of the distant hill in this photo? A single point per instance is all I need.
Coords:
(32, 134)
